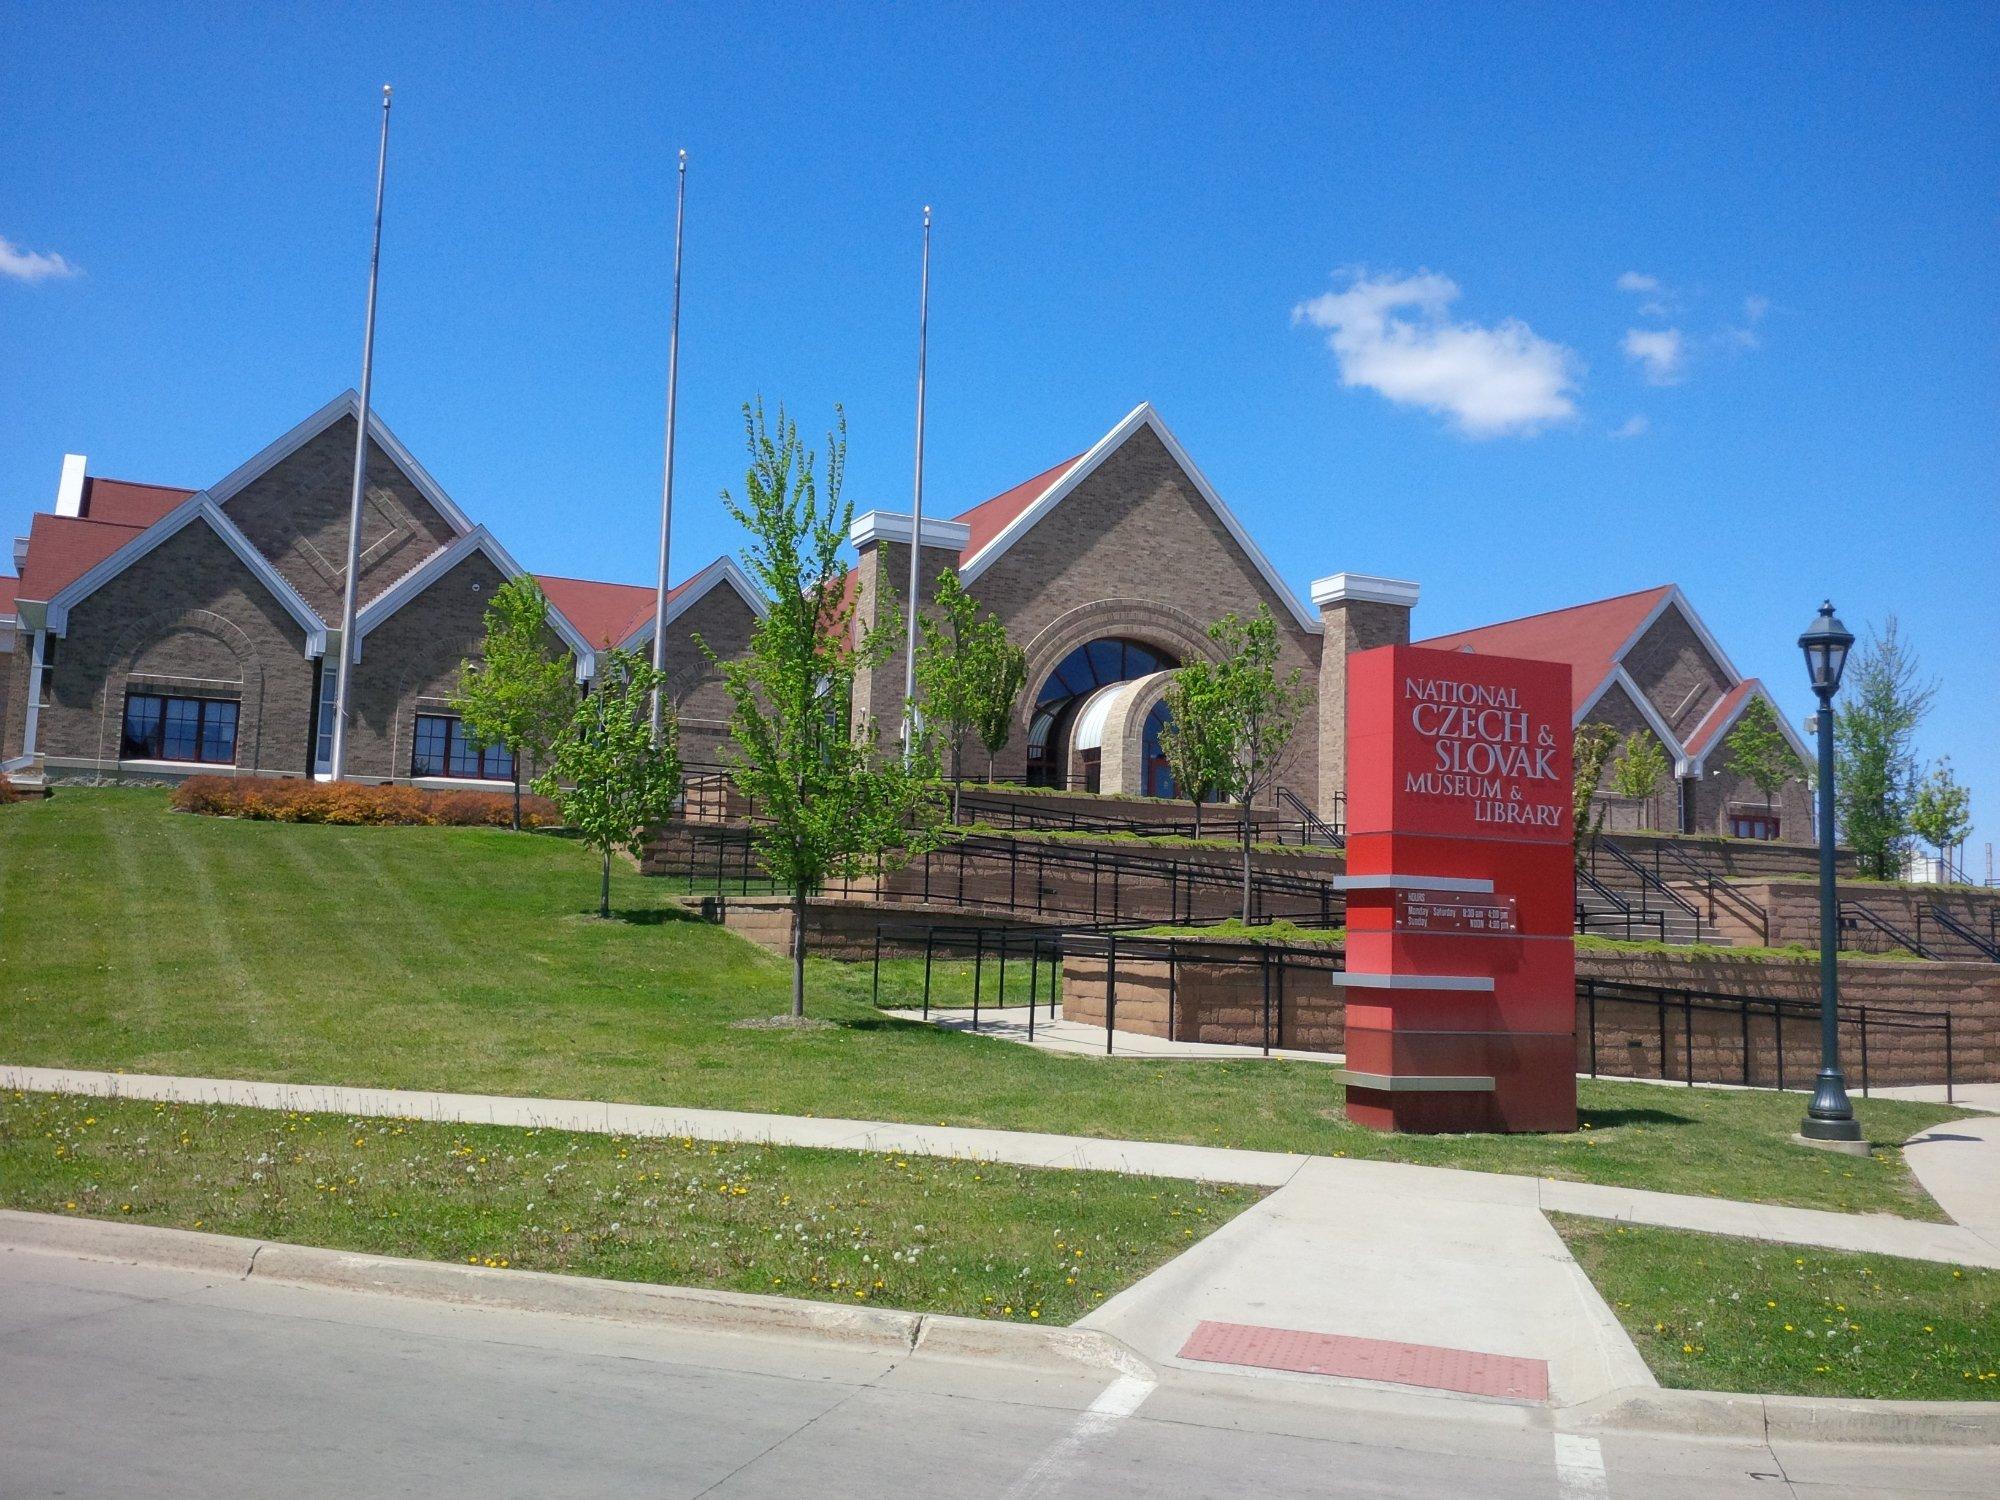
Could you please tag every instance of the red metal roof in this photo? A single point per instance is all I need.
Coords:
(1587, 636)
(61, 549)
(604, 613)
(991, 517)
(1720, 716)
(125, 503)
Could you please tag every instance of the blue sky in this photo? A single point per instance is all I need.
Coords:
(1366, 263)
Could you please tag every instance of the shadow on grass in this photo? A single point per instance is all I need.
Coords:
(641, 916)
(1605, 1119)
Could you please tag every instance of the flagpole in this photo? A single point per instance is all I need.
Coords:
(917, 509)
(667, 479)
(342, 680)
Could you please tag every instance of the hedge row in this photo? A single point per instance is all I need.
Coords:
(293, 800)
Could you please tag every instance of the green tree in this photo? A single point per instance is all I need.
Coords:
(1941, 813)
(1196, 738)
(521, 693)
(1260, 710)
(1592, 747)
(1640, 769)
(1887, 697)
(611, 778)
(829, 801)
(1760, 753)
(969, 676)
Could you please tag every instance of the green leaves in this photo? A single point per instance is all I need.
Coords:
(1199, 733)
(522, 690)
(1875, 733)
(1592, 747)
(969, 675)
(609, 776)
(1941, 810)
(1760, 753)
(1641, 766)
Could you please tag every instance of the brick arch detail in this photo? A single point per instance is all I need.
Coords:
(1143, 620)
(149, 631)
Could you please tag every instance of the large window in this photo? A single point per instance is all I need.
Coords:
(1753, 825)
(191, 729)
(441, 749)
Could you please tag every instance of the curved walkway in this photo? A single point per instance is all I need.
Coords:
(1958, 1163)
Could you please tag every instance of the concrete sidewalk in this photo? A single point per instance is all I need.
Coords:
(1082, 1040)
(1368, 1187)
(1959, 1165)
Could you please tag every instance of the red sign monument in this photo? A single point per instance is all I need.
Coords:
(1461, 953)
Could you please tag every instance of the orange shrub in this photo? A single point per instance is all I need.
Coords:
(7, 792)
(295, 800)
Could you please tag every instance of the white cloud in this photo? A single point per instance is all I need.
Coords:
(1631, 427)
(32, 265)
(1746, 336)
(1638, 281)
(1660, 353)
(1391, 335)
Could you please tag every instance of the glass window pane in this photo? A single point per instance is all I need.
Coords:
(432, 734)
(463, 759)
(1105, 663)
(498, 765)
(142, 727)
(183, 729)
(218, 732)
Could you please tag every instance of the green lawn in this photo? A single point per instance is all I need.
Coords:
(1718, 1314)
(926, 1234)
(470, 959)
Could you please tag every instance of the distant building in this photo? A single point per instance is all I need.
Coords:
(154, 632)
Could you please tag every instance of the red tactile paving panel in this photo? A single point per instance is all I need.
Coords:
(1462, 1370)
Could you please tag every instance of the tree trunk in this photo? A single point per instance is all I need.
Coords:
(799, 953)
(1196, 800)
(517, 793)
(604, 886)
(1246, 859)
(957, 776)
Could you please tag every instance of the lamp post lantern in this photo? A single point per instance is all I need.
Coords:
(1830, 1116)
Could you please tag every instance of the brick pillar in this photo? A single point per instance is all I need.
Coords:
(1360, 612)
(882, 539)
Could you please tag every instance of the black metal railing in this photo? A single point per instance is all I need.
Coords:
(1716, 888)
(1865, 930)
(1613, 915)
(1073, 884)
(1332, 833)
(1674, 1010)
(1985, 949)
(1651, 887)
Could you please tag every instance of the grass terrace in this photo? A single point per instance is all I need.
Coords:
(1713, 1313)
(471, 959)
(919, 1233)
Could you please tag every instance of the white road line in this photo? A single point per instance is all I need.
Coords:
(1580, 1468)
(1114, 1403)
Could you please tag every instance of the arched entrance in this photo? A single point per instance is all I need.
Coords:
(1061, 701)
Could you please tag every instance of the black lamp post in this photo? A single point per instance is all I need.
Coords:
(1830, 1117)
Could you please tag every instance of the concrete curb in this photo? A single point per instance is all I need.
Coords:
(695, 1308)
(1793, 1419)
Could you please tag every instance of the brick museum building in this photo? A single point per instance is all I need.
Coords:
(154, 632)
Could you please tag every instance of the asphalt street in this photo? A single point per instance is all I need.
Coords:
(120, 1380)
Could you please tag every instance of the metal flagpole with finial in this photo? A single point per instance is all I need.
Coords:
(917, 508)
(667, 478)
(337, 761)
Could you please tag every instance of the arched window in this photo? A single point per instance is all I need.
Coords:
(1064, 691)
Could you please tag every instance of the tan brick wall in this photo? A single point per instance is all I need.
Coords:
(883, 589)
(1718, 793)
(297, 515)
(1351, 626)
(188, 617)
(1138, 541)
(14, 701)
(701, 701)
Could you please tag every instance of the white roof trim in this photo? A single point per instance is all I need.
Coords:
(722, 570)
(1141, 415)
(894, 526)
(1697, 764)
(346, 404)
(441, 562)
(197, 507)
(1675, 599)
(1619, 677)
(1341, 588)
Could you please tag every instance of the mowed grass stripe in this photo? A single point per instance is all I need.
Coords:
(466, 960)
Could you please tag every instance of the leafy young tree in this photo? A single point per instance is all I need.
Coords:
(830, 801)
(1260, 709)
(607, 773)
(1760, 753)
(1886, 696)
(1592, 746)
(1941, 813)
(1196, 738)
(521, 693)
(968, 676)
(1640, 768)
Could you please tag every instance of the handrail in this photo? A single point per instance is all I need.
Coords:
(1649, 881)
(1622, 913)
(1854, 914)
(1312, 822)
(1959, 930)
(1715, 885)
